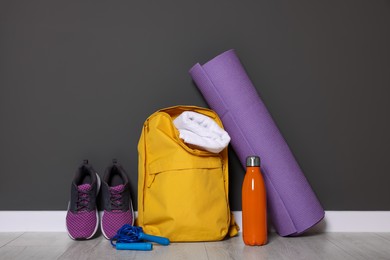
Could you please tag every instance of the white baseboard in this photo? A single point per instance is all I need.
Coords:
(334, 221)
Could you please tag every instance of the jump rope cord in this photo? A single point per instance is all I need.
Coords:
(126, 234)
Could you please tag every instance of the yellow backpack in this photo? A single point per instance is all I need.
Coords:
(182, 192)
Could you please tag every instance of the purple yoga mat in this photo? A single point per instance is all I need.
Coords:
(292, 205)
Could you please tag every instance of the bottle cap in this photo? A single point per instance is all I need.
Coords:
(253, 161)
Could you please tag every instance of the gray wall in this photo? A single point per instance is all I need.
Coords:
(78, 79)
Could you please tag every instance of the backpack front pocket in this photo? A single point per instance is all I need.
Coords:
(186, 200)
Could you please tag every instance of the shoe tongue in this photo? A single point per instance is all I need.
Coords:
(118, 188)
(84, 187)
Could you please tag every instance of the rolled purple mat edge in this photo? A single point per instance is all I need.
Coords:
(293, 207)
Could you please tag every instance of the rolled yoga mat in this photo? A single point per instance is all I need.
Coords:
(292, 205)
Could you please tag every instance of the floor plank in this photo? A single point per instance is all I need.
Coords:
(306, 247)
(384, 235)
(8, 237)
(195, 251)
(33, 245)
(98, 248)
(362, 245)
(31, 252)
(41, 239)
(314, 246)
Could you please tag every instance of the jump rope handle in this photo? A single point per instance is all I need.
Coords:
(134, 246)
(160, 240)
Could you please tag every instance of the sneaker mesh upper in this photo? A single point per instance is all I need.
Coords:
(81, 224)
(113, 220)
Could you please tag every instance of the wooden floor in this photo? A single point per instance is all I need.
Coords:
(315, 246)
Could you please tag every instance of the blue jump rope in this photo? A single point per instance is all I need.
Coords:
(130, 238)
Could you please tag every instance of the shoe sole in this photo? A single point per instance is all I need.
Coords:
(97, 214)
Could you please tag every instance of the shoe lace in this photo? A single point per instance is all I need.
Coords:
(82, 200)
(116, 199)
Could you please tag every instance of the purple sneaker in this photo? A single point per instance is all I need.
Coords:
(118, 208)
(82, 217)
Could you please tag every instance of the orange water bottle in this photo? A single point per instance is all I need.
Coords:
(254, 205)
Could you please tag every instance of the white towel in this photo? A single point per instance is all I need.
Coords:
(201, 131)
